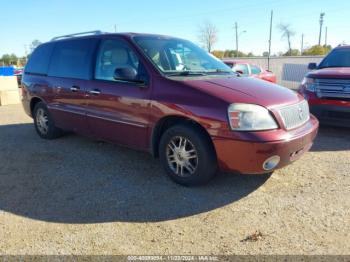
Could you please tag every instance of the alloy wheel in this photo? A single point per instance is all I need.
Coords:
(42, 121)
(182, 156)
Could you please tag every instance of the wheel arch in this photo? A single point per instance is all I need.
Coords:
(33, 102)
(169, 121)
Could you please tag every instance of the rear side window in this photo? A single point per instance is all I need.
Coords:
(39, 60)
(255, 70)
(72, 59)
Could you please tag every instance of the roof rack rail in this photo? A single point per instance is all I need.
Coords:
(96, 32)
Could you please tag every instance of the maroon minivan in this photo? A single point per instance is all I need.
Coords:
(169, 97)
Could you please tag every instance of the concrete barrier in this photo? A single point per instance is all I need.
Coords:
(9, 92)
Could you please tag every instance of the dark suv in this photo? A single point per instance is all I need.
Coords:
(327, 88)
(169, 97)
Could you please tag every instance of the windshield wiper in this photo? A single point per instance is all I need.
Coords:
(186, 73)
(218, 70)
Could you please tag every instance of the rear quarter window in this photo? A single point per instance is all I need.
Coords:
(72, 59)
(39, 60)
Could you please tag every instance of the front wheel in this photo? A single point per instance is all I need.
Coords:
(187, 155)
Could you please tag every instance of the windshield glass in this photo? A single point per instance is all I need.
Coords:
(337, 58)
(180, 57)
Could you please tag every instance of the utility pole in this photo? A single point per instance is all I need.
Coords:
(326, 37)
(302, 44)
(236, 28)
(321, 25)
(237, 36)
(268, 58)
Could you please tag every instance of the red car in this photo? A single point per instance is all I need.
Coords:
(327, 88)
(251, 70)
(18, 73)
(168, 97)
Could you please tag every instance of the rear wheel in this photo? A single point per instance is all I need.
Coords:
(187, 155)
(43, 122)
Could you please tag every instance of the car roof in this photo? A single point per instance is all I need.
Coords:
(343, 47)
(238, 61)
(232, 60)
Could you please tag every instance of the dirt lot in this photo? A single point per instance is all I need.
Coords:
(75, 195)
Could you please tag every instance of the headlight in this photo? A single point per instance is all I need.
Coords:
(309, 84)
(249, 117)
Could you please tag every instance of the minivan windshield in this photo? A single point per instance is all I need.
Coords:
(177, 57)
(337, 58)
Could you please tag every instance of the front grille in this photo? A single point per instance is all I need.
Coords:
(339, 115)
(333, 88)
(295, 115)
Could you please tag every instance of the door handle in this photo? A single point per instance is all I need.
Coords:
(95, 92)
(75, 88)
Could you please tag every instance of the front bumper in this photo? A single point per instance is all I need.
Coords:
(332, 114)
(248, 157)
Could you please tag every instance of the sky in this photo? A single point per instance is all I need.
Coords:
(22, 21)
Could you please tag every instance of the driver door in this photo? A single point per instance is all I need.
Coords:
(118, 111)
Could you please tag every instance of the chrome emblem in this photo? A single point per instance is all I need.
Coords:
(301, 113)
(346, 89)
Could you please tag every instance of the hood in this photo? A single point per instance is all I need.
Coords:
(246, 90)
(333, 72)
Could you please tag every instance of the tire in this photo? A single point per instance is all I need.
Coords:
(187, 155)
(44, 124)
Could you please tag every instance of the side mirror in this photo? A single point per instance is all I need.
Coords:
(125, 74)
(312, 66)
(239, 72)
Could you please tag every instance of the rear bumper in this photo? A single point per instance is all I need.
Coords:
(248, 157)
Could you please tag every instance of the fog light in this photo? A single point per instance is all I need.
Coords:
(271, 163)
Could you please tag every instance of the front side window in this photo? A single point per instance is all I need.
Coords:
(241, 68)
(337, 58)
(72, 59)
(172, 56)
(117, 61)
(255, 70)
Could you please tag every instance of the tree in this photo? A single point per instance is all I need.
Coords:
(292, 52)
(35, 43)
(266, 54)
(317, 50)
(287, 33)
(208, 35)
(9, 59)
(218, 53)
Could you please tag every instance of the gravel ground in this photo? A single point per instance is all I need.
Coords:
(78, 196)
